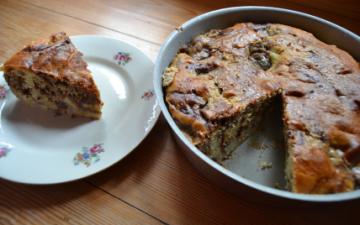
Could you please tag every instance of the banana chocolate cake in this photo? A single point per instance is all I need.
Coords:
(223, 84)
(51, 74)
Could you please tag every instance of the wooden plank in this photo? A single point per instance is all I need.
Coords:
(22, 23)
(159, 18)
(71, 203)
(125, 17)
(348, 8)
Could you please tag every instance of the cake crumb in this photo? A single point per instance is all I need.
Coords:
(179, 29)
(277, 186)
(168, 76)
(265, 146)
(255, 144)
(264, 164)
(231, 156)
(260, 156)
(276, 144)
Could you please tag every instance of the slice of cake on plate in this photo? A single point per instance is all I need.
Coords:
(50, 74)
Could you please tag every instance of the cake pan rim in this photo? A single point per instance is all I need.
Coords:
(159, 93)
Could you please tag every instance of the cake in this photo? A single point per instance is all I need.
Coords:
(223, 84)
(50, 74)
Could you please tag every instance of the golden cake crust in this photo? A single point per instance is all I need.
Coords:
(222, 72)
(59, 74)
(55, 56)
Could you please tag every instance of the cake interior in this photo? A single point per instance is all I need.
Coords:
(45, 92)
(232, 132)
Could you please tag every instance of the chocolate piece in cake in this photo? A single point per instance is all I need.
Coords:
(222, 84)
(51, 74)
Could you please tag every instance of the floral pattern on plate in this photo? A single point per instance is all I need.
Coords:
(122, 58)
(4, 151)
(4, 92)
(147, 95)
(89, 156)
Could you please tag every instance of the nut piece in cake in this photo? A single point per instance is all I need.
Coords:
(50, 74)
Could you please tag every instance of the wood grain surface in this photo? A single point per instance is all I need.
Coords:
(155, 184)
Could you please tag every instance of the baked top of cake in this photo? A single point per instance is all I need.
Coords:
(218, 74)
(51, 73)
(55, 56)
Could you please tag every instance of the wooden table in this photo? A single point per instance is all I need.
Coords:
(155, 184)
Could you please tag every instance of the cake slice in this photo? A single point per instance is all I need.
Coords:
(50, 74)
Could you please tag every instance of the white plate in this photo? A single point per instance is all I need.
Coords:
(39, 147)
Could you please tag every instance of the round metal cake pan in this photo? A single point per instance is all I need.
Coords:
(230, 180)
